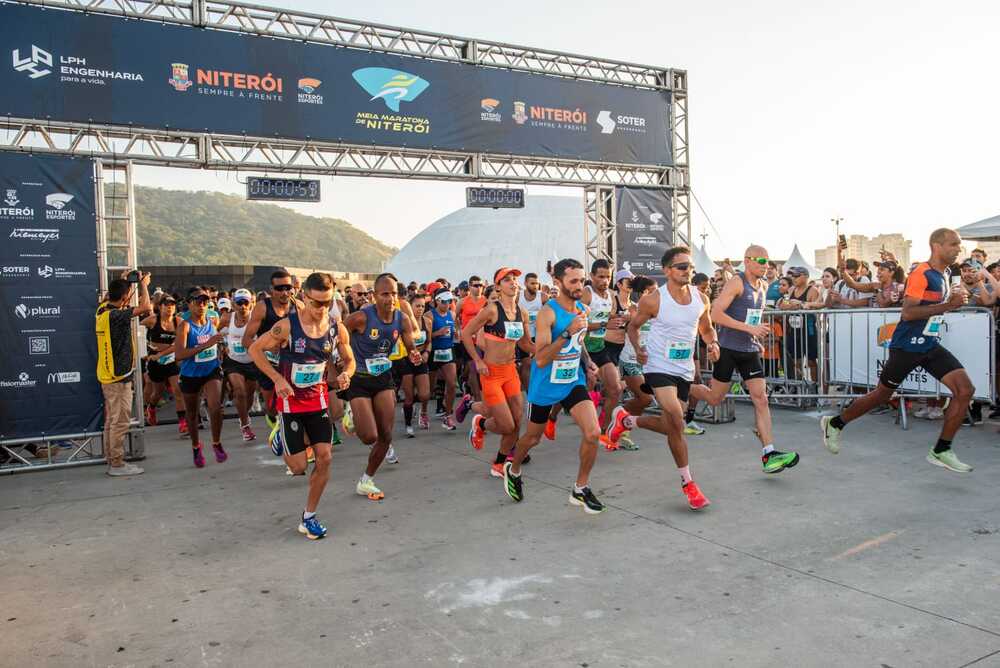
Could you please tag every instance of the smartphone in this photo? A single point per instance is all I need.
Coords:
(548, 266)
(133, 276)
(842, 242)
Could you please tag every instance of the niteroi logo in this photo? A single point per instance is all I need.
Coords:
(391, 86)
(37, 64)
(58, 200)
(10, 198)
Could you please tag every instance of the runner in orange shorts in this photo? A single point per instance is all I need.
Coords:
(505, 327)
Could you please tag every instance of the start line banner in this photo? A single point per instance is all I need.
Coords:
(859, 347)
(84, 68)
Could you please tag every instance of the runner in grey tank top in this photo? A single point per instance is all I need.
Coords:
(736, 312)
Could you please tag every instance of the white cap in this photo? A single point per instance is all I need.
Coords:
(243, 293)
(225, 303)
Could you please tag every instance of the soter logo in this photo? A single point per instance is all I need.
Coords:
(391, 86)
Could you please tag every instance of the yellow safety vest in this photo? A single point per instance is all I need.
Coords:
(106, 371)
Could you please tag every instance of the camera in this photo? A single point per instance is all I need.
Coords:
(133, 276)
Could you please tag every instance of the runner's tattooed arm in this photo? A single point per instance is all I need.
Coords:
(270, 341)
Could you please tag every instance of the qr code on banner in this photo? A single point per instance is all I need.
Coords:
(38, 345)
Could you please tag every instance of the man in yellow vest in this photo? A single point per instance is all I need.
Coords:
(116, 364)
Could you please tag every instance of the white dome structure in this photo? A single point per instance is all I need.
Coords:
(470, 242)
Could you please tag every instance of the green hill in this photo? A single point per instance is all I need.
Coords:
(177, 227)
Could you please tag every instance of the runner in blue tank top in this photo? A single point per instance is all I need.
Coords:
(441, 322)
(556, 378)
(737, 312)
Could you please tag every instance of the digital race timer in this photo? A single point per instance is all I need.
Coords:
(495, 198)
(285, 190)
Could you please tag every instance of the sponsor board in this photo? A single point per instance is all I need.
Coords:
(39, 235)
(38, 345)
(22, 381)
(37, 63)
(63, 377)
(48, 271)
(307, 91)
(57, 207)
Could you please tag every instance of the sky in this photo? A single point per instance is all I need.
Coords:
(881, 113)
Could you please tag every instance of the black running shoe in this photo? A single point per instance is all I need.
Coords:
(512, 483)
(586, 499)
(526, 460)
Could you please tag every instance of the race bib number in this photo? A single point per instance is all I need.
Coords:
(236, 346)
(272, 357)
(513, 331)
(307, 375)
(376, 366)
(680, 351)
(795, 321)
(207, 355)
(564, 371)
(754, 316)
(443, 356)
(167, 359)
(420, 339)
(933, 326)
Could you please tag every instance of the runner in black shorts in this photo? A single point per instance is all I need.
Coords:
(415, 381)
(916, 342)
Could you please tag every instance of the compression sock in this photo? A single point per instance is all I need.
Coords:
(837, 422)
(501, 458)
(942, 445)
(408, 414)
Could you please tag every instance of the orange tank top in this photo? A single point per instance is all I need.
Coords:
(471, 309)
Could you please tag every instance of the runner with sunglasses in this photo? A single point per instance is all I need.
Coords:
(266, 313)
(161, 366)
(677, 313)
(504, 327)
(441, 323)
(197, 351)
(374, 331)
(239, 368)
(737, 312)
(601, 318)
(305, 342)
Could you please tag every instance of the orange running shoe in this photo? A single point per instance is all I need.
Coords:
(608, 444)
(310, 455)
(496, 470)
(696, 499)
(477, 435)
(617, 426)
(550, 430)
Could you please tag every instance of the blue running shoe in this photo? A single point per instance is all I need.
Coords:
(312, 529)
(276, 441)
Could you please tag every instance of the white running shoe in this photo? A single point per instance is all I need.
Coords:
(390, 456)
(409, 431)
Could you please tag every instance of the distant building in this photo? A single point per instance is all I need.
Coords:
(867, 248)
(992, 249)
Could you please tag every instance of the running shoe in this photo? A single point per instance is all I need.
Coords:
(608, 444)
(949, 460)
(312, 529)
(526, 460)
(935, 413)
(512, 483)
(310, 455)
(464, 404)
(182, 427)
(271, 421)
(831, 435)
(390, 456)
(368, 488)
(617, 426)
(199, 458)
(275, 440)
(425, 421)
(220, 452)
(409, 431)
(550, 430)
(496, 470)
(692, 428)
(777, 461)
(696, 500)
(448, 423)
(336, 436)
(248, 434)
(626, 443)
(151, 416)
(477, 435)
(439, 413)
(586, 498)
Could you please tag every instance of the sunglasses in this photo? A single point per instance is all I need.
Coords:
(681, 266)
(320, 304)
(168, 302)
(759, 260)
(201, 299)
(241, 302)
(284, 287)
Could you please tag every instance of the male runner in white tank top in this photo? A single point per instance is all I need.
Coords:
(677, 314)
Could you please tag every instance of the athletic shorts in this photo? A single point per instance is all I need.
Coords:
(460, 354)
(408, 368)
(747, 363)
(540, 414)
(248, 370)
(502, 382)
(630, 369)
(364, 386)
(265, 382)
(434, 366)
(601, 357)
(295, 427)
(655, 380)
(192, 384)
(161, 373)
(520, 355)
(937, 361)
(614, 351)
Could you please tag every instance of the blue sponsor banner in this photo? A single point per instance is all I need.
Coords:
(48, 295)
(90, 68)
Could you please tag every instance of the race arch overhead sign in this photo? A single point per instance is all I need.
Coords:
(75, 67)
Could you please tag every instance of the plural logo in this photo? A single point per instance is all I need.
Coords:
(391, 86)
(520, 114)
(23, 311)
(36, 65)
(179, 78)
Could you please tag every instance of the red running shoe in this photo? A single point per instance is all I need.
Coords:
(220, 453)
(696, 499)
(199, 458)
(617, 426)
(182, 426)
(607, 443)
(151, 416)
(550, 429)
(496, 470)
(477, 435)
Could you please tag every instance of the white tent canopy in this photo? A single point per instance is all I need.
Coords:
(796, 260)
(703, 261)
(987, 229)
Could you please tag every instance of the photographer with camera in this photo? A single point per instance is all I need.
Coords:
(116, 363)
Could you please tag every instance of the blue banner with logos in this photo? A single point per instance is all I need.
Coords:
(643, 229)
(48, 295)
(72, 66)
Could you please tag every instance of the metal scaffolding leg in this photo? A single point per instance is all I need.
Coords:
(599, 225)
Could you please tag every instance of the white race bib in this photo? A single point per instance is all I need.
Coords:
(513, 330)
(236, 346)
(795, 321)
(420, 339)
(272, 357)
(376, 366)
(754, 316)
(307, 375)
(167, 359)
(443, 356)
(564, 371)
(207, 355)
(933, 326)
(680, 351)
